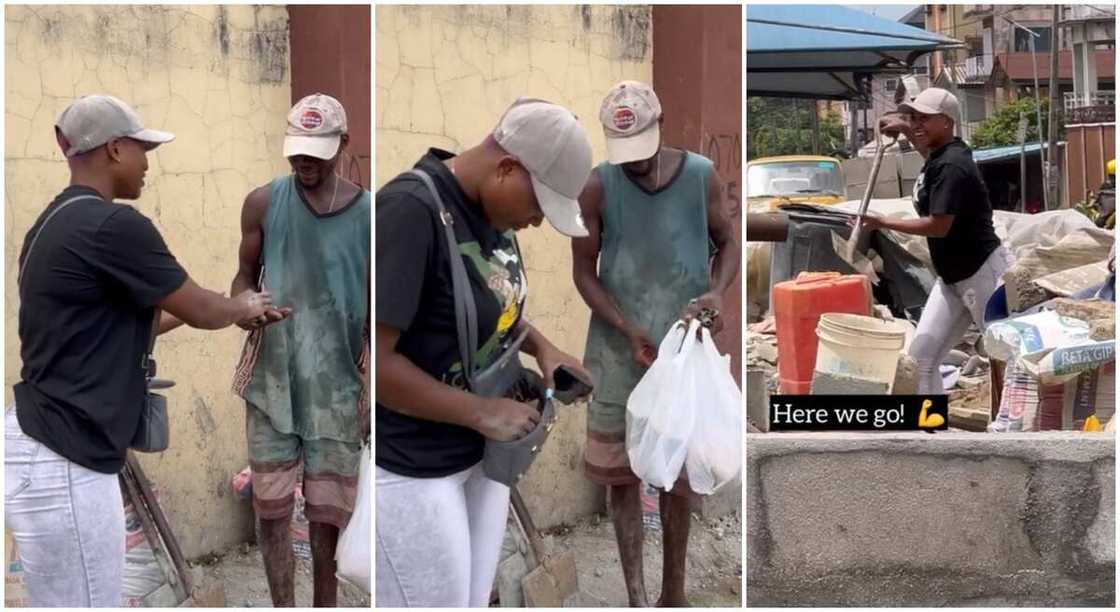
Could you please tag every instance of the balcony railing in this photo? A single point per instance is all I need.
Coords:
(1091, 107)
(1087, 99)
(972, 70)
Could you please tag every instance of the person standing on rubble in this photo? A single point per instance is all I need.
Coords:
(96, 281)
(440, 520)
(651, 211)
(955, 216)
(305, 236)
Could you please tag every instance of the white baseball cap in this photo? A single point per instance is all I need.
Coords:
(630, 115)
(934, 101)
(551, 144)
(91, 121)
(315, 127)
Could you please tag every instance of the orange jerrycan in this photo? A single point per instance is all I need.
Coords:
(798, 305)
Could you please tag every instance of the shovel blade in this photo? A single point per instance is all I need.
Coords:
(553, 583)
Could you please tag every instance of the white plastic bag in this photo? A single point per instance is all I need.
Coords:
(352, 553)
(659, 414)
(715, 450)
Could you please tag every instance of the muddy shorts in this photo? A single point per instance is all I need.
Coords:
(330, 472)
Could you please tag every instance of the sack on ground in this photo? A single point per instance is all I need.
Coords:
(660, 411)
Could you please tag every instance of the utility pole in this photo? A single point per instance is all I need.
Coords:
(1038, 110)
(815, 126)
(1052, 174)
(1022, 136)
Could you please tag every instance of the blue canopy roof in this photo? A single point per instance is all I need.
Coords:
(997, 154)
(816, 51)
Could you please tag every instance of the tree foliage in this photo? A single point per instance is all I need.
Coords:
(783, 126)
(1001, 128)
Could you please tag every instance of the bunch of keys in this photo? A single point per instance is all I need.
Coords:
(707, 317)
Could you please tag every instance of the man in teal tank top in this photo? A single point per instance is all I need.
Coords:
(652, 212)
(305, 381)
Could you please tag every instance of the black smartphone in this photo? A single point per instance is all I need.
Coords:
(570, 386)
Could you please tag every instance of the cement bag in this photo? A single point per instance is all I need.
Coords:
(1028, 405)
(660, 410)
(715, 452)
(1063, 364)
(352, 553)
(1012, 338)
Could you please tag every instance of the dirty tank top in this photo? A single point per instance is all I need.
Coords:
(653, 258)
(304, 371)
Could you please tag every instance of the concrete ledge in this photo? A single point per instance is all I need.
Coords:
(883, 519)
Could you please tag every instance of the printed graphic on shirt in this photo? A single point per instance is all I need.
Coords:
(505, 279)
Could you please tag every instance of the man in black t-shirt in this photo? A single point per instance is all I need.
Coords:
(93, 277)
(955, 216)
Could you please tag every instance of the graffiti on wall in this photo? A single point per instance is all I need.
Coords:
(726, 152)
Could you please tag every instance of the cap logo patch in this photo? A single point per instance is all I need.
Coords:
(311, 119)
(624, 119)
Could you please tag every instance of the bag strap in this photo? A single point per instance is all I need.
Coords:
(147, 361)
(466, 315)
(35, 238)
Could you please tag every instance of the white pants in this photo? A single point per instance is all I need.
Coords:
(67, 522)
(948, 313)
(438, 539)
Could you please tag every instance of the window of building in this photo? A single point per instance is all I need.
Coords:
(1041, 43)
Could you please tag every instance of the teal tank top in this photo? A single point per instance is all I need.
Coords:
(653, 259)
(304, 371)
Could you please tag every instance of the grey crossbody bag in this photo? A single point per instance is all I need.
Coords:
(503, 462)
(153, 434)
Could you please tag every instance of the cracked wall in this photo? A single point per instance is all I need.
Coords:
(217, 77)
(444, 77)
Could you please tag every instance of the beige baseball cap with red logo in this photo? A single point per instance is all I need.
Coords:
(315, 127)
(630, 115)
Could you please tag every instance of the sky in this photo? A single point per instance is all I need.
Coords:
(894, 12)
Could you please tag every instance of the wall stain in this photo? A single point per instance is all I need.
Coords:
(631, 26)
(223, 30)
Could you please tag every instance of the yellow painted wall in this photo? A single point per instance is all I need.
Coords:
(218, 77)
(444, 77)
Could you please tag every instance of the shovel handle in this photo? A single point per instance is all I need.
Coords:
(853, 241)
(522, 513)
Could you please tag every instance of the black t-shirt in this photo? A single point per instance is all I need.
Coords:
(415, 295)
(87, 302)
(951, 184)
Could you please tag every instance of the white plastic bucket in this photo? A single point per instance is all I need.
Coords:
(859, 347)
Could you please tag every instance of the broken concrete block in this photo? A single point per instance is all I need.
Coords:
(905, 377)
(511, 572)
(827, 383)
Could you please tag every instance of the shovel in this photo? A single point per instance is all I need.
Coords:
(553, 582)
(850, 255)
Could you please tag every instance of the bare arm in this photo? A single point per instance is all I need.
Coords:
(725, 267)
(205, 309)
(249, 255)
(935, 226)
(252, 239)
(168, 322)
(405, 388)
(585, 259)
(585, 273)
